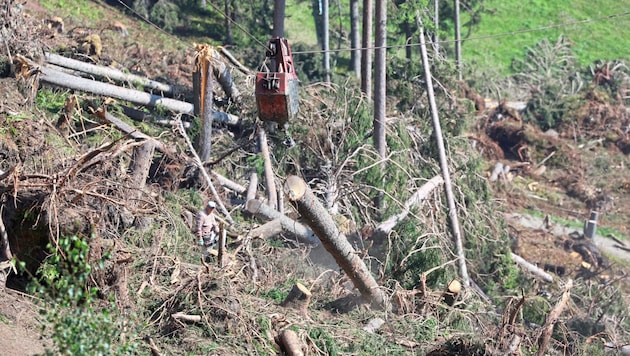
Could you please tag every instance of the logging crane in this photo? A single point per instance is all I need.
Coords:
(277, 86)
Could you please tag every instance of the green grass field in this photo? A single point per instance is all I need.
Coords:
(604, 39)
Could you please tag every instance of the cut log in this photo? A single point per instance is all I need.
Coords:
(229, 184)
(531, 268)
(334, 241)
(270, 229)
(298, 298)
(108, 72)
(291, 343)
(253, 186)
(55, 77)
(303, 234)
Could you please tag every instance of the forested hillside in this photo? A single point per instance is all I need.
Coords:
(486, 215)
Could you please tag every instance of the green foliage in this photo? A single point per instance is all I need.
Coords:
(165, 14)
(324, 341)
(50, 100)
(76, 326)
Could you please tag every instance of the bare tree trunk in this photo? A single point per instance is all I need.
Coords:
(278, 18)
(141, 160)
(334, 241)
(108, 72)
(54, 77)
(380, 68)
(436, 25)
(272, 195)
(289, 225)
(228, 22)
(253, 187)
(202, 87)
(366, 53)
(458, 42)
(452, 208)
(355, 38)
(326, 38)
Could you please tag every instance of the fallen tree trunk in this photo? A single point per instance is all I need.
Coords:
(128, 129)
(388, 225)
(55, 77)
(105, 72)
(303, 234)
(272, 195)
(267, 230)
(334, 241)
(531, 268)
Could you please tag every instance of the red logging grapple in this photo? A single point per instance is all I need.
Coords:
(277, 87)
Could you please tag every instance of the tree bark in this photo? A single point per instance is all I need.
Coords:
(272, 194)
(303, 234)
(326, 39)
(452, 208)
(355, 38)
(291, 343)
(366, 53)
(458, 42)
(54, 77)
(278, 18)
(298, 298)
(109, 73)
(380, 68)
(203, 97)
(334, 241)
(141, 160)
(267, 230)
(253, 187)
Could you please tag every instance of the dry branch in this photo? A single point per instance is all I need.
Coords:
(55, 77)
(386, 226)
(334, 241)
(531, 268)
(186, 317)
(303, 234)
(108, 72)
(552, 318)
(201, 167)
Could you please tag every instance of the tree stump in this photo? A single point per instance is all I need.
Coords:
(298, 298)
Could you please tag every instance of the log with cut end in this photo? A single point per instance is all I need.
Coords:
(267, 230)
(291, 343)
(298, 298)
(334, 241)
